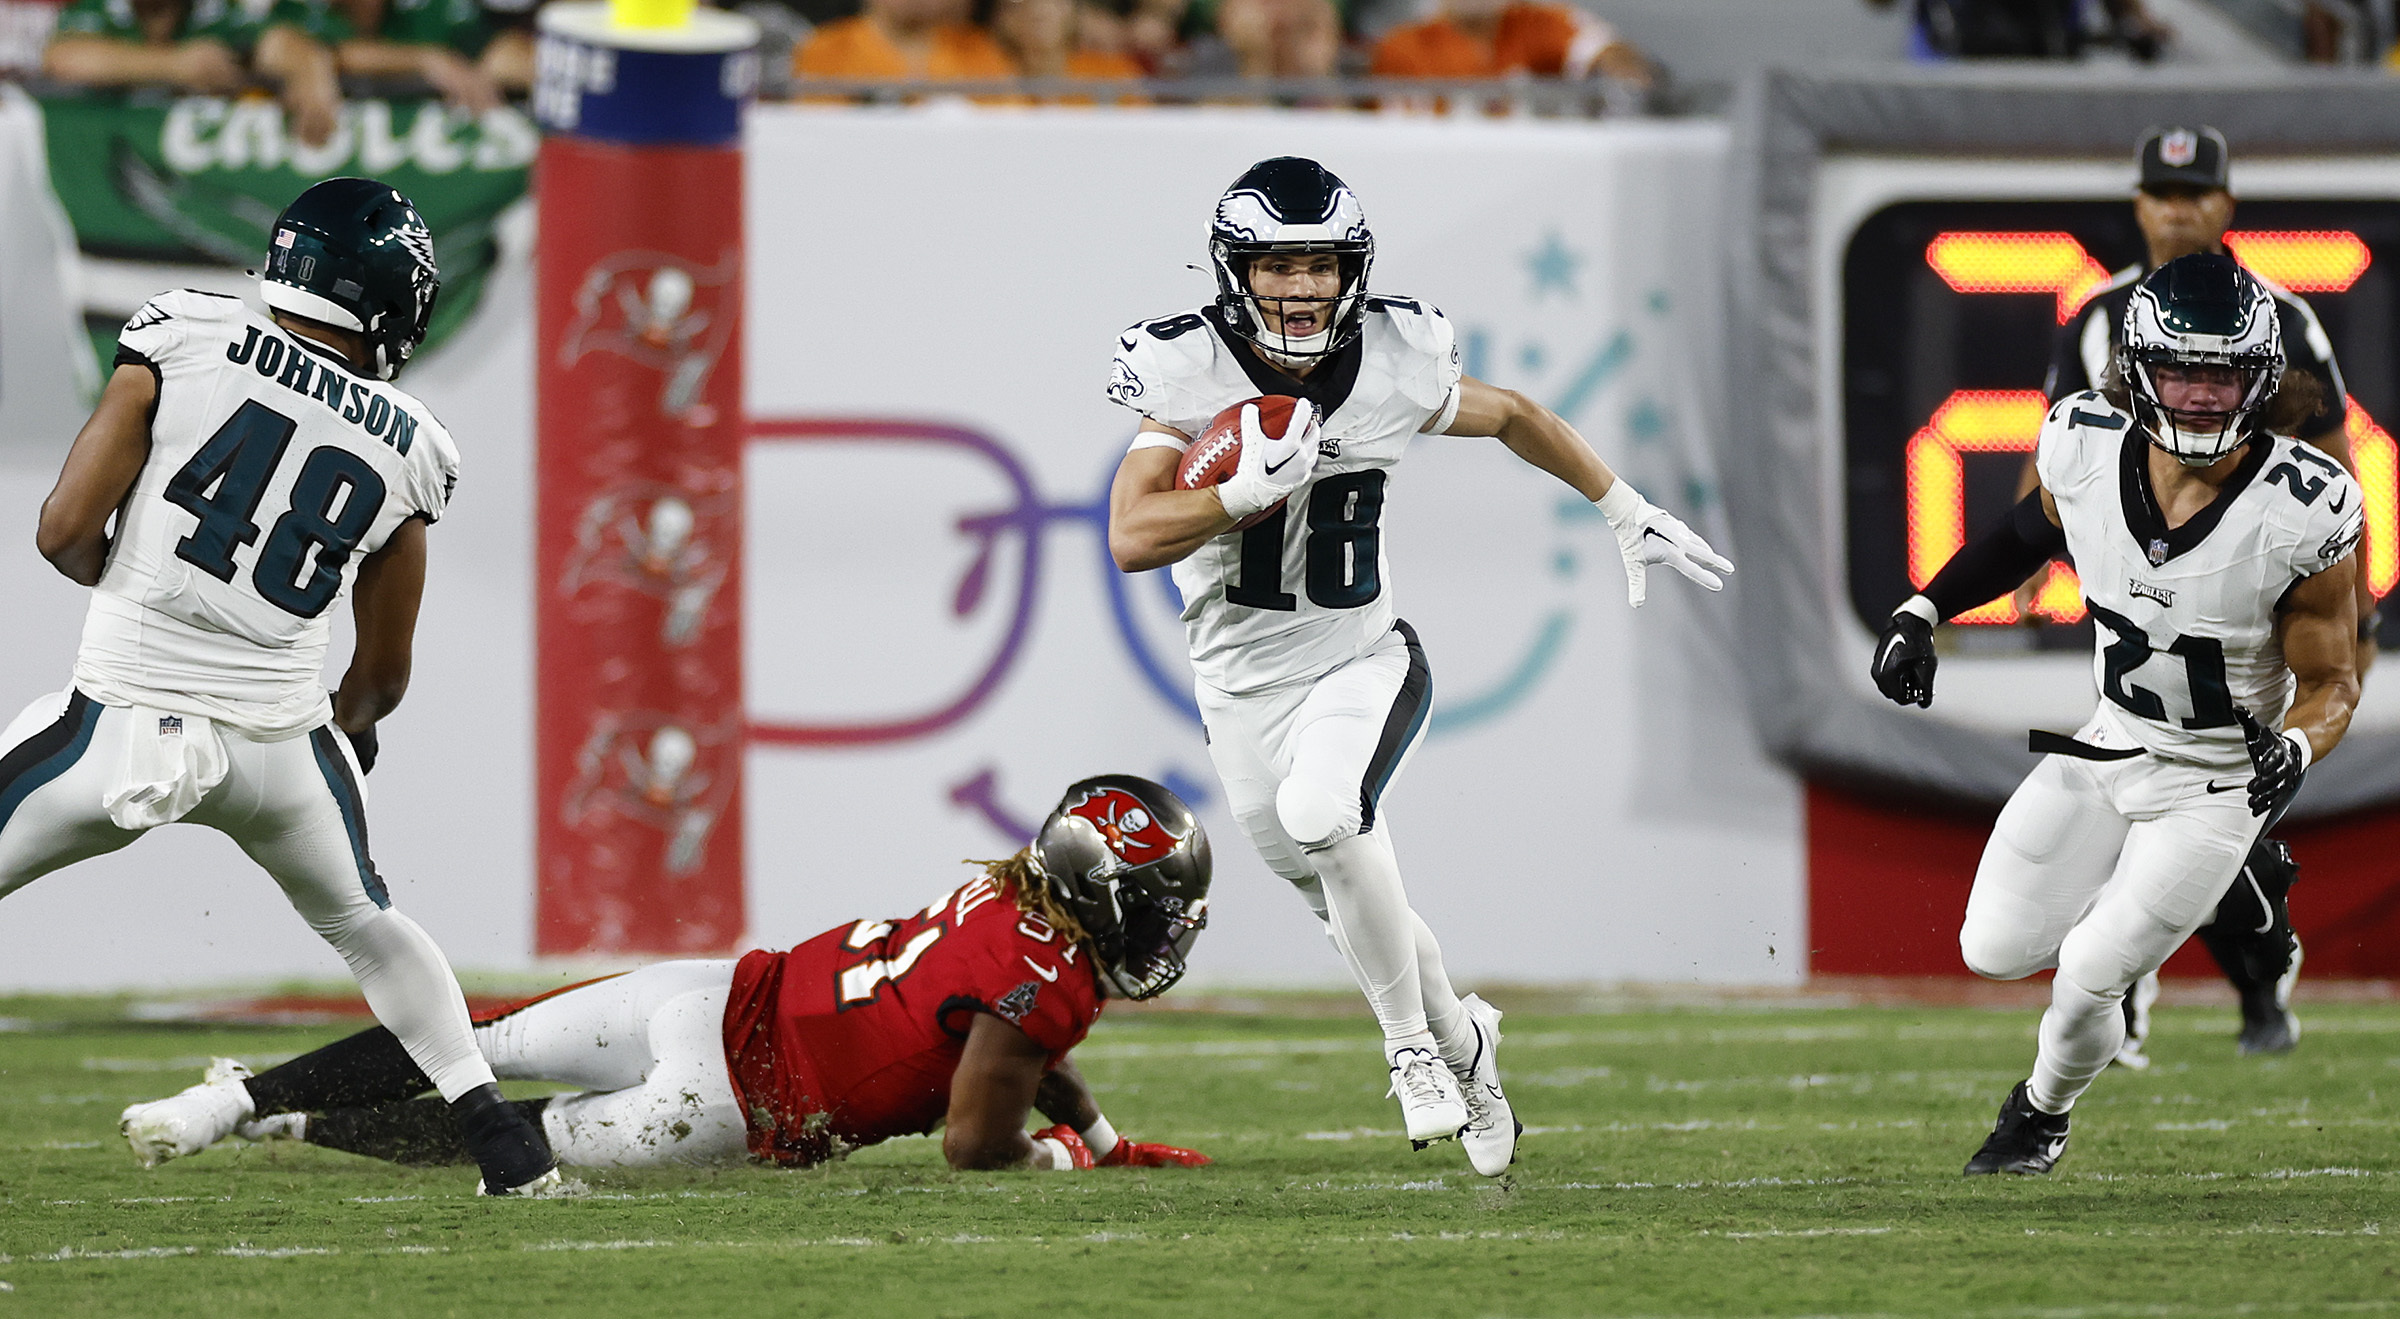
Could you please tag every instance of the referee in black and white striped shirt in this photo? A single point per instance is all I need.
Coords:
(2183, 205)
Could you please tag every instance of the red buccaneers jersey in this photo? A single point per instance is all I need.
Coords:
(851, 1038)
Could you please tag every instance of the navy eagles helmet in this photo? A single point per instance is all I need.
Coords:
(1127, 857)
(2202, 310)
(1289, 204)
(354, 253)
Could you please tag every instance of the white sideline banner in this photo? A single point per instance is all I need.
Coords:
(933, 298)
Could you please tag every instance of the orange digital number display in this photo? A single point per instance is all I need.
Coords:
(1972, 421)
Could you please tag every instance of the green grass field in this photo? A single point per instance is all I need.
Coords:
(1690, 1162)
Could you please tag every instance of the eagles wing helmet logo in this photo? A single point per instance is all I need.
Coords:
(2178, 147)
(1128, 827)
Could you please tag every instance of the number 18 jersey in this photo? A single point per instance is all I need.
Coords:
(2187, 615)
(273, 470)
(1308, 589)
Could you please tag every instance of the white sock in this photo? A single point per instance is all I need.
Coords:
(1376, 931)
(2081, 1032)
(409, 986)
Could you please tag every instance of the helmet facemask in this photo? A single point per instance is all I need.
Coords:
(1246, 311)
(2201, 315)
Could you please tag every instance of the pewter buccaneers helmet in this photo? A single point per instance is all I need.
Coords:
(1289, 204)
(2201, 310)
(1126, 856)
(354, 253)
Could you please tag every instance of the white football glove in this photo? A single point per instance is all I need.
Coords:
(1271, 466)
(1648, 534)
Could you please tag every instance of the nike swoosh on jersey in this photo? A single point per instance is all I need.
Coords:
(2230, 787)
(2339, 502)
(1045, 972)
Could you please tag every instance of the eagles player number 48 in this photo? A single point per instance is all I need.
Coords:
(334, 501)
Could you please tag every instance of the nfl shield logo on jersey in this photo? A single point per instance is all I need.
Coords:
(2158, 552)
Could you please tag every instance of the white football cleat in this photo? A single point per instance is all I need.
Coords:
(1430, 1105)
(1492, 1127)
(552, 1185)
(185, 1124)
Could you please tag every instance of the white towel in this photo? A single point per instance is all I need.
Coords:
(171, 762)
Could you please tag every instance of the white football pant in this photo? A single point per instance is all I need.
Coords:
(1304, 769)
(649, 1046)
(74, 767)
(2101, 869)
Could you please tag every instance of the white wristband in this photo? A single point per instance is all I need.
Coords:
(2308, 750)
(1922, 608)
(1622, 504)
(1099, 1137)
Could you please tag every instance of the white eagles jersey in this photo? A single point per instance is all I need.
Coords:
(2186, 617)
(273, 470)
(1307, 589)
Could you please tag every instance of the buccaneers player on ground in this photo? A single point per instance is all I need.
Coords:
(960, 1017)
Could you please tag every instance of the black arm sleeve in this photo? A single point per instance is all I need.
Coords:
(1998, 561)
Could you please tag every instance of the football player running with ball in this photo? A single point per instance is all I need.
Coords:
(2216, 557)
(960, 1016)
(1313, 689)
(257, 468)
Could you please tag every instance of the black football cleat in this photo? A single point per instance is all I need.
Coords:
(2025, 1139)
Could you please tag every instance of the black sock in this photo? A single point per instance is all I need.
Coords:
(509, 1148)
(360, 1071)
(422, 1133)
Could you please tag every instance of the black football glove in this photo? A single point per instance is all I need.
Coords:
(1904, 660)
(363, 745)
(2274, 763)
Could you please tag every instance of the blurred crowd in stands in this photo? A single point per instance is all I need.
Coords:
(475, 53)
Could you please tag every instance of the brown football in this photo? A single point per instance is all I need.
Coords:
(1214, 455)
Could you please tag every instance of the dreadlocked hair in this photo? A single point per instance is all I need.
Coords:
(1022, 881)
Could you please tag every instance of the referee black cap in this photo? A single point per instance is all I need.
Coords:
(2183, 157)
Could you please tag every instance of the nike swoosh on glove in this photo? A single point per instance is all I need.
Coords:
(1648, 534)
(1135, 1154)
(2276, 763)
(1904, 660)
(1271, 466)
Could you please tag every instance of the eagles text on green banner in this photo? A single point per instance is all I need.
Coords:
(197, 180)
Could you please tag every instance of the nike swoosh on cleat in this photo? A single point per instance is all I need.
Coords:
(2229, 787)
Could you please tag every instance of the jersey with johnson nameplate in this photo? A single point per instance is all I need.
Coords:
(274, 468)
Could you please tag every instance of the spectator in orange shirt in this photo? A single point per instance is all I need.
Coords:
(1046, 38)
(1281, 38)
(905, 39)
(1496, 38)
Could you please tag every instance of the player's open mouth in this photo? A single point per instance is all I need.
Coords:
(1299, 324)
